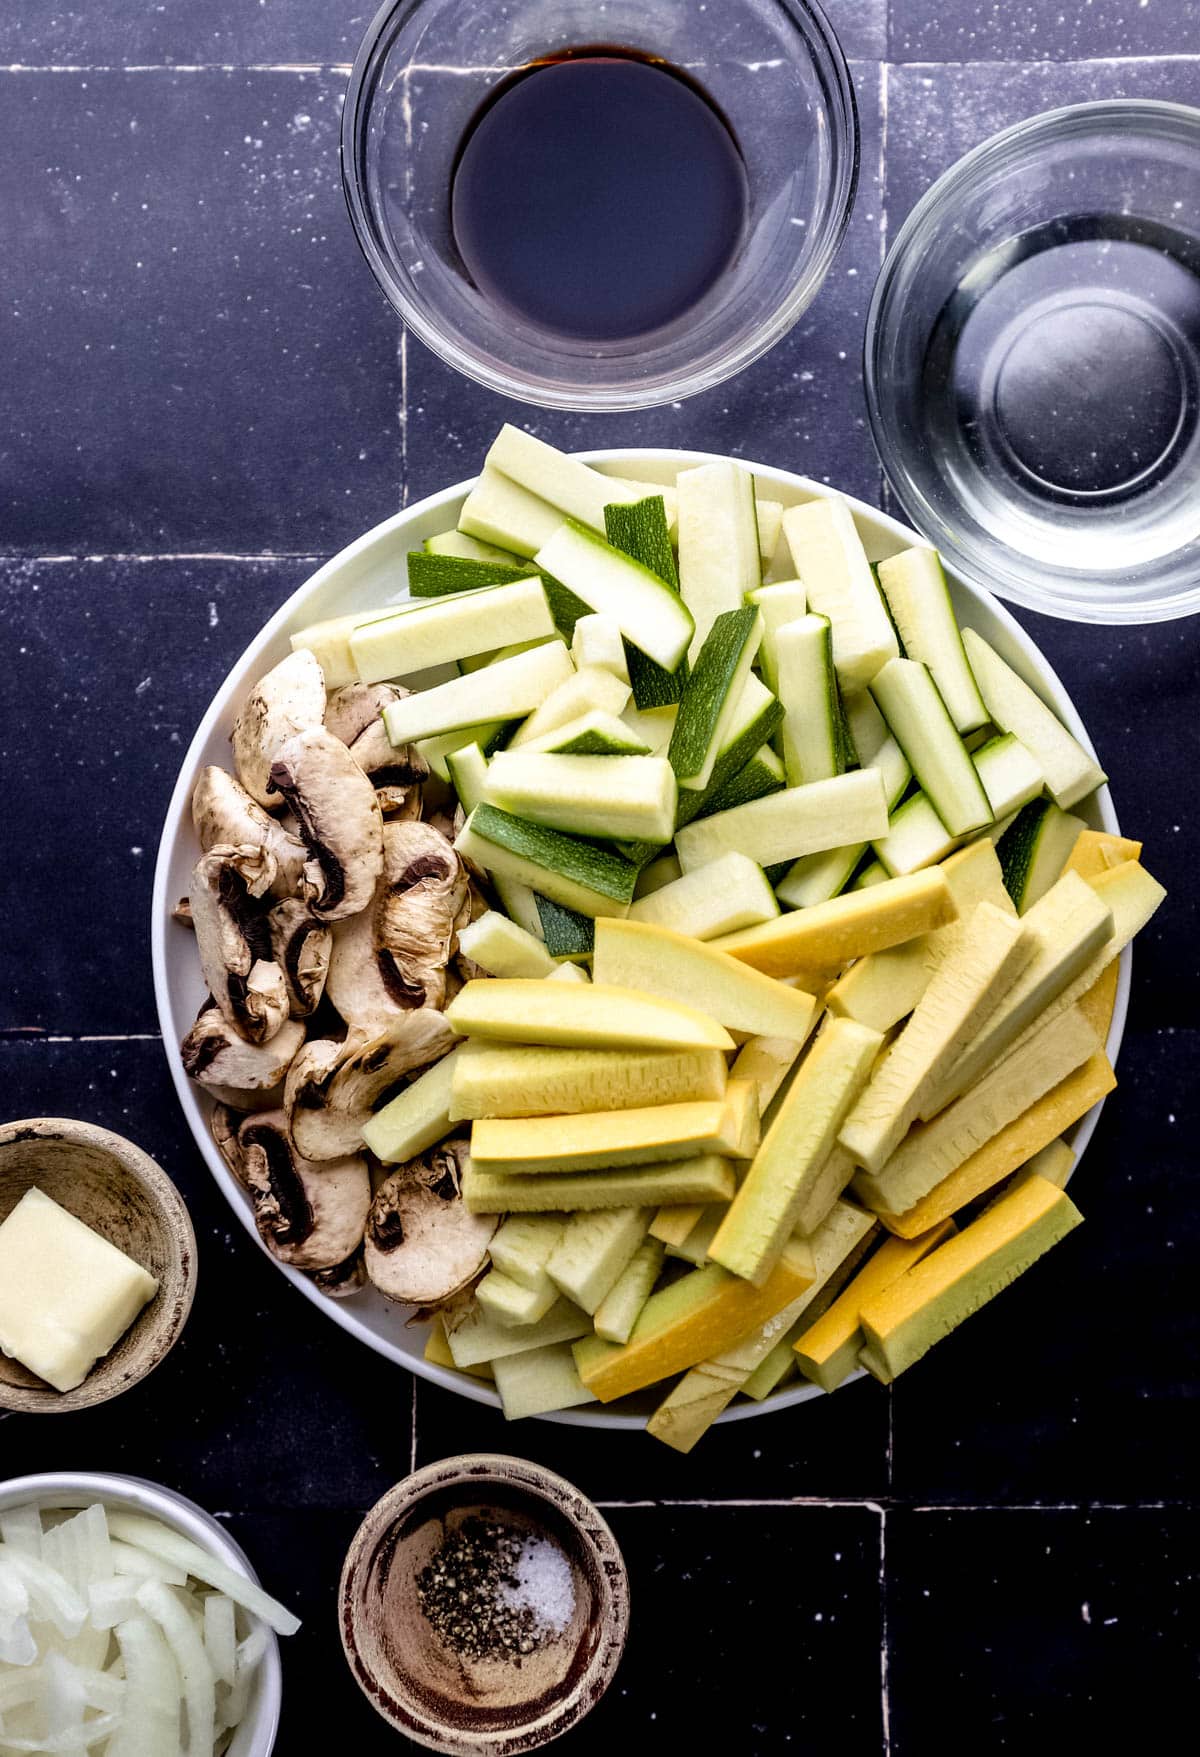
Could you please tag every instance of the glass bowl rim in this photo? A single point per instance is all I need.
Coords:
(842, 109)
(984, 562)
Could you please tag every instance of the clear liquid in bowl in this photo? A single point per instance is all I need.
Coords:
(1061, 389)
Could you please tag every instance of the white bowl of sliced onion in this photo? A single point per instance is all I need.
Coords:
(131, 1625)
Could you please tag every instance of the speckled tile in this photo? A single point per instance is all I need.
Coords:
(237, 32)
(800, 407)
(1036, 1632)
(1135, 689)
(195, 356)
(830, 1447)
(755, 1632)
(935, 114)
(113, 33)
(113, 662)
(1078, 1382)
(1030, 30)
(263, 1403)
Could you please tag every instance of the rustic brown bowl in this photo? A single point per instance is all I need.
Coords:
(394, 1654)
(114, 1187)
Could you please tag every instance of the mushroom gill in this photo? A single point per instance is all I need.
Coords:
(302, 946)
(424, 901)
(339, 819)
(225, 815)
(392, 958)
(233, 937)
(290, 698)
(247, 1076)
(333, 1087)
(311, 1216)
(397, 773)
(422, 1246)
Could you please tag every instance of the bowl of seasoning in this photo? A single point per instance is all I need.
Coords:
(600, 224)
(483, 1606)
(97, 1265)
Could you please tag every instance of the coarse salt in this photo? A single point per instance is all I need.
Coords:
(544, 1584)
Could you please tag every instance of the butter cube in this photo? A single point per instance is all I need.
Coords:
(66, 1294)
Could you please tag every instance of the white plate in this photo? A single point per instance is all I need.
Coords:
(370, 572)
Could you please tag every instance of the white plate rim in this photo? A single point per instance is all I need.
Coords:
(886, 535)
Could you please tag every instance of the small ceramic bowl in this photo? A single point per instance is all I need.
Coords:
(412, 1679)
(70, 1489)
(118, 1190)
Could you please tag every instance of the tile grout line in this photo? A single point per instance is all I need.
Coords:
(15, 558)
(339, 67)
(885, 1658)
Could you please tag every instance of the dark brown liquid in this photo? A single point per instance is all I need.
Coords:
(598, 195)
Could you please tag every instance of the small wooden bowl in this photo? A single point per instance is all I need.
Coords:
(438, 1700)
(118, 1190)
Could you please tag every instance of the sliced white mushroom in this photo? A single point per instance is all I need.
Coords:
(302, 946)
(422, 1246)
(339, 818)
(332, 1087)
(424, 901)
(353, 714)
(233, 938)
(246, 1076)
(225, 815)
(290, 698)
(311, 1216)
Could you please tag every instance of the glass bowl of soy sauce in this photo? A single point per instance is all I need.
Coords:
(1033, 363)
(600, 204)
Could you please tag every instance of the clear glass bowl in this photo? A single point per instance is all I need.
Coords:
(773, 67)
(1033, 363)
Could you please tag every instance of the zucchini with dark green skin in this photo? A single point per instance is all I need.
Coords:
(640, 529)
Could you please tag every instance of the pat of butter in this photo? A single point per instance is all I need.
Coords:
(66, 1294)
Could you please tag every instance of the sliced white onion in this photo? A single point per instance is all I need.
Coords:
(195, 1672)
(161, 1541)
(129, 1559)
(151, 1724)
(120, 1638)
(50, 1596)
(220, 1635)
(21, 1528)
(17, 1645)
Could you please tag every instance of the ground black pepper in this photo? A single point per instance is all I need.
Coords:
(462, 1592)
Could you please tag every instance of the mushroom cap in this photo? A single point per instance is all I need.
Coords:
(353, 714)
(422, 904)
(288, 699)
(311, 1216)
(302, 947)
(354, 707)
(333, 1087)
(225, 815)
(238, 1073)
(339, 818)
(234, 940)
(422, 1246)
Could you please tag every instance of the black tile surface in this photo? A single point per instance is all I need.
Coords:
(829, 1448)
(1041, 1631)
(241, 32)
(209, 389)
(935, 114)
(1031, 30)
(108, 667)
(1079, 1383)
(194, 357)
